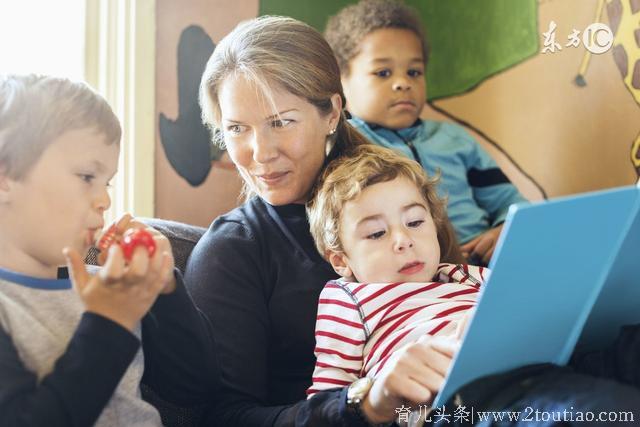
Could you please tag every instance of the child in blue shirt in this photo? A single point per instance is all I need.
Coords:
(382, 53)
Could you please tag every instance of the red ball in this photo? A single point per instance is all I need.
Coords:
(137, 237)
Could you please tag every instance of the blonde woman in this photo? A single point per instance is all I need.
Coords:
(272, 93)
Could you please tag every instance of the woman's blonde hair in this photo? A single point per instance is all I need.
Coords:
(277, 52)
(344, 179)
(35, 110)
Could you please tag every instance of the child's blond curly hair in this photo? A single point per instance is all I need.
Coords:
(346, 178)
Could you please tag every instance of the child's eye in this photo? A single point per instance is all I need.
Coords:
(414, 73)
(278, 124)
(415, 224)
(383, 73)
(88, 178)
(376, 235)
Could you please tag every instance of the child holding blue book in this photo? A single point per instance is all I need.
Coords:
(377, 219)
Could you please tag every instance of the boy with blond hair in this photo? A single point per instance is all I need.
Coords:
(382, 52)
(71, 350)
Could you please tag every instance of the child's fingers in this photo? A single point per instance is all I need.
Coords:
(484, 245)
(425, 364)
(113, 269)
(462, 326)
(430, 376)
(166, 273)
(446, 346)
(122, 223)
(492, 236)
(470, 245)
(162, 246)
(77, 271)
(489, 254)
(138, 266)
(437, 352)
(167, 265)
(112, 235)
(134, 223)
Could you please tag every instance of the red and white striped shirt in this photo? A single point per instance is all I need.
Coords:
(360, 325)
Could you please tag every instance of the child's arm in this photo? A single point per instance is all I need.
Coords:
(494, 193)
(492, 190)
(84, 378)
(180, 362)
(340, 340)
(81, 383)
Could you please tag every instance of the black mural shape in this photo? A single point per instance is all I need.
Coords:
(186, 141)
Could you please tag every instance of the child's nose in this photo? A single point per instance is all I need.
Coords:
(102, 201)
(401, 83)
(402, 242)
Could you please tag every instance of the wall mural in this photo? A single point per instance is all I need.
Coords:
(488, 72)
(186, 141)
(624, 19)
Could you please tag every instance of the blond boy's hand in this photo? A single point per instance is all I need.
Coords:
(127, 222)
(482, 247)
(120, 291)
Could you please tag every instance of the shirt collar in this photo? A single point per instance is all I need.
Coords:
(407, 133)
(34, 282)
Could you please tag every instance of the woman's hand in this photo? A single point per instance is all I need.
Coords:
(482, 247)
(413, 378)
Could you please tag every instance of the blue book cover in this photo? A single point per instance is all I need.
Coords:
(558, 265)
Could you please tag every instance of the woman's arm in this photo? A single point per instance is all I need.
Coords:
(181, 364)
(618, 361)
(227, 279)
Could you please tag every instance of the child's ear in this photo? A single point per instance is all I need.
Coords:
(338, 261)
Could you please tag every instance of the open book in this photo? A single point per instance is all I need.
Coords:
(565, 272)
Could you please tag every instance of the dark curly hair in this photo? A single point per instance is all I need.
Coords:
(347, 28)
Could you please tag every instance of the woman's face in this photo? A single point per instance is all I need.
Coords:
(278, 148)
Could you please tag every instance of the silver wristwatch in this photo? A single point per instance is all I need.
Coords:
(356, 393)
